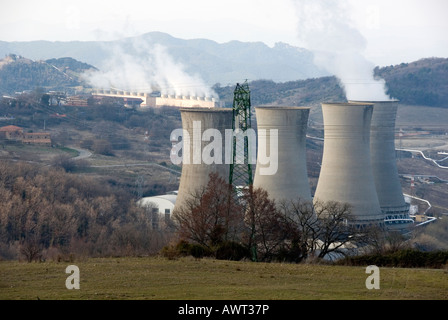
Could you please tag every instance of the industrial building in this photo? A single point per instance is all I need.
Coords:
(149, 100)
(159, 208)
(163, 203)
(290, 182)
(358, 164)
(384, 166)
(346, 175)
(196, 175)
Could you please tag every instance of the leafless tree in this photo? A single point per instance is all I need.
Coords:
(304, 228)
(265, 227)
(335, 231)
(322, 228)
(211, 215)
(30, 248)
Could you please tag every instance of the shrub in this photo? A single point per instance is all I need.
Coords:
(183, 248)
(169, 252)
(198, 251)
(231, 251)
(409, 258)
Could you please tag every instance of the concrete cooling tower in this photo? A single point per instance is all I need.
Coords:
(346, 175)
(384, 166)
(196, 175)
(290, 181)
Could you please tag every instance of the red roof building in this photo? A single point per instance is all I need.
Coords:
(11, 133)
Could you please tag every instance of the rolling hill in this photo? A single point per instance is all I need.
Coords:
(423, 82)
(215, 62)
(19, 74)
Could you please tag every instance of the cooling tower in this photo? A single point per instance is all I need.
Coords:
(290, 181)
(346, 174)
(384, 166)
(196, 175)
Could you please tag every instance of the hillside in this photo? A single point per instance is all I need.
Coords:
(19, 74)
(215, 62)
(301, 92)
(70, 65)
(423, 82)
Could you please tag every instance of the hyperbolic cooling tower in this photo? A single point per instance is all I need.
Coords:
(290, 182)
(346, 175)
(384, 166)
(195, 176)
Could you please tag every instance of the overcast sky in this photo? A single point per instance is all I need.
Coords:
(395, 30)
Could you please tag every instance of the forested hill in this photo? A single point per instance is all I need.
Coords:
(18, 74)
(423, 82)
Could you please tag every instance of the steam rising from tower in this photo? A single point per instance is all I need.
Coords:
(137, 66)
(325, 29)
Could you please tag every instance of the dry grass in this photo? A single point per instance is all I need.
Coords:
(207, 279)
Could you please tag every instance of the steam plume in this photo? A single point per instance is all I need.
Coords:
(141, 67)
(325, 29)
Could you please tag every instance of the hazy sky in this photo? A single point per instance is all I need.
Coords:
(395, 30)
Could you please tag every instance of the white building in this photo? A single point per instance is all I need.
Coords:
(165, 203)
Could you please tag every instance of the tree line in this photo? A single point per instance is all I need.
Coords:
(216, 221)
(46, 213)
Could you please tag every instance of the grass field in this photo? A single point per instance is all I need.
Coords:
(154, 278)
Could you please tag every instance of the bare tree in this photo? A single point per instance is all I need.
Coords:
(265, 227)
(335, 231)
(64, 161)
(31, 248)
(304, 228)
(321, 228)
(211, 215)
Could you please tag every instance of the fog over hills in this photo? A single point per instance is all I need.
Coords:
(224, 63)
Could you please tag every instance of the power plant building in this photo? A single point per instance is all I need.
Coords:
(290, 181)
(195, 172)
(148, 100)
(346, 175)
(384, 166)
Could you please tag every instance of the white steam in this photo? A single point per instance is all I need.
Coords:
(325, 29)
(141, 67)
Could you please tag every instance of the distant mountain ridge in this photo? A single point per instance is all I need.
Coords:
(224, 63)
(423, 82)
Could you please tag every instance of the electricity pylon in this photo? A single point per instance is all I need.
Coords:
(241, 168)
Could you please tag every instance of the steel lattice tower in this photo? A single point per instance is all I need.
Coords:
(241, 174)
